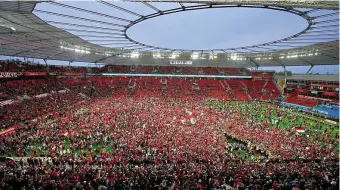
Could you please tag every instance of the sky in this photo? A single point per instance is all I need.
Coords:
(203, 29)
(215, 29)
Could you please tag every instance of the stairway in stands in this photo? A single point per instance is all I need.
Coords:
(264, 91)
(255, 88)
(272, 91)
(246, 90)
(236, 86)
(227, 88)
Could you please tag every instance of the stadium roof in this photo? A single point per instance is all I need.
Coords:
(23, 34)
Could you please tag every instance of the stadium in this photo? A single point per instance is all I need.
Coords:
(94, 97)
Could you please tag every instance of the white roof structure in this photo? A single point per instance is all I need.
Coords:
(23, 34)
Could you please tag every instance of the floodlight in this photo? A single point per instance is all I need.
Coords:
(157, 55)
(195, 55)
(134, 54)
(212, 56)
(174, 55)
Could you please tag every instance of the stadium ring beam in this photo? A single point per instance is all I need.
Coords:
(319, 38)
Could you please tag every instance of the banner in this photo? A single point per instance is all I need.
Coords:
(35, 73)
(262, 74)
(325, 85)
(282, 83)
(42, 95)
(330, 121)
(8, 102)
(299, 90)
(274, 121)
(8, 131)
(292, 82)
(320, 111)
(9, 74)
(294, 106)
(72, 74)
(330, 94)
(180, 62)
(262, 77)
(327, 111)
(93, 74)
(299, 129)
(314, 98)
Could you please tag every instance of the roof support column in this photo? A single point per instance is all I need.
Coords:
(46, 65)
(252, 61)
(310, 63)
(284, 69)
(311, 67)
(45, 62)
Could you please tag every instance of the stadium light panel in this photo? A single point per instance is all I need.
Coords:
(194, 55)
(81, 51)
(212, 56)
(76, 50)
(236, 57)
(134, 54)
(174, 55)
(157, 55)
(106, 54)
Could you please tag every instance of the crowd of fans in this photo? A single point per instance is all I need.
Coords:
(121, 142)
(146, 133)
(23, 111)
(29, 87)
(29, 106)
(23, 66)
(69, 174)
